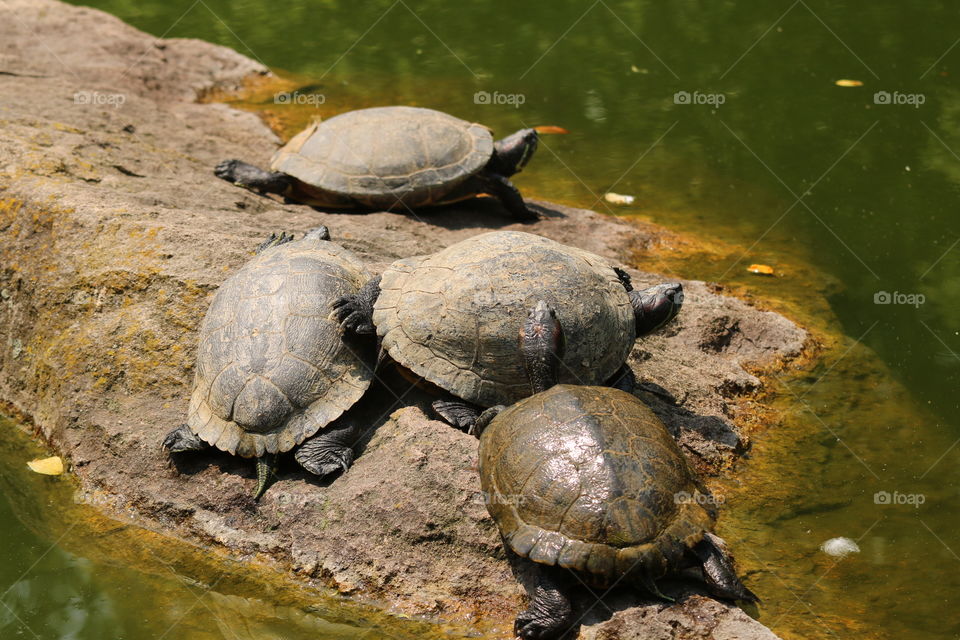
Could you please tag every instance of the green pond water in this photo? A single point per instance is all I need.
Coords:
(725, 121)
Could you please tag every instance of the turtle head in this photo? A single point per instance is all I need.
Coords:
(656, 306)
(511, 154)
(320, 233)
(542, 346)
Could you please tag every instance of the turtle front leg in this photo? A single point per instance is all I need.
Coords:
(457, 413)
(465, 416)
(183, 439)
(355, 312)
(550, 612)
(719, 572)
(509, 196)
(246, 175)
(331, 450)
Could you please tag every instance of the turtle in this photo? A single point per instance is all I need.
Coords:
(586, 481)
(273, 369)
(451, 317)
(394, 158)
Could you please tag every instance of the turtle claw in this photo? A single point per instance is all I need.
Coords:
(457, 413)
(352, 316)
(274, 240)
(530, 625)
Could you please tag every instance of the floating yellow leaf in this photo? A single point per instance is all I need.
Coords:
(848, 83)
(52, 466)
(617, 198)
(761, 269)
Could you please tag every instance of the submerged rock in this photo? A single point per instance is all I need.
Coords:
(115, 233)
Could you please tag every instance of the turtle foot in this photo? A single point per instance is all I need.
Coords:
(183, 439)
(550, 614)
(355, 312)
(535, 624)
(719, 571)
(323, 459)
(457, 413)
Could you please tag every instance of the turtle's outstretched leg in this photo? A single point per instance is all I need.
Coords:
(457, 413)
(509, 196)
(718, 570)
(355, 312)
(246, 175)
(550, 612)
(266, 473)
(331, 450)
(623, 379)
(183, 439)
(656, 306)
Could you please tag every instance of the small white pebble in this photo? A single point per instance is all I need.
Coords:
(839, 547)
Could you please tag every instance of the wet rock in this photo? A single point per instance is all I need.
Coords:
(116, 233)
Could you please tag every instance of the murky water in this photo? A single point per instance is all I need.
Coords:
(724, 120)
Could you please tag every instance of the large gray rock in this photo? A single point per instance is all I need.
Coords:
(115, 233)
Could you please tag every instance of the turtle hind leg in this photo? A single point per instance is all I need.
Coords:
(719, 572)
(246, 175)
(183, 439)
(355, 312)
(550, 612)
(266, 473)
(331, 450)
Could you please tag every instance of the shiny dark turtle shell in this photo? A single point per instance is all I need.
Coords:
(272, 366)
(452, 317)
(589, 479)
(385, 156)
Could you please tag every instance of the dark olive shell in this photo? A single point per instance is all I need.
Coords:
(589, 479)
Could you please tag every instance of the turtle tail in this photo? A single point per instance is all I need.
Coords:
(266, 472)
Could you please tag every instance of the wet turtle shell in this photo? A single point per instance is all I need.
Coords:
(452, 317)
(383, 155)
(272, 367)
(589, 479)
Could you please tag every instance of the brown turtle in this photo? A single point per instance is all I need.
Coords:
(272, 368)
(387, 158)
(586, 480)
(451, 317)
